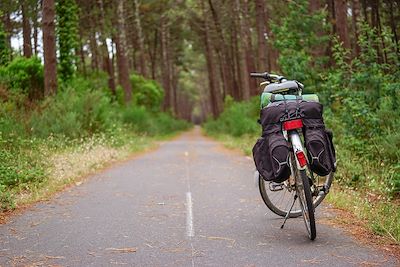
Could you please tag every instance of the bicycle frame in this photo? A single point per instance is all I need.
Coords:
(294, 139)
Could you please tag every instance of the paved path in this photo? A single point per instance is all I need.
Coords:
(189, 203)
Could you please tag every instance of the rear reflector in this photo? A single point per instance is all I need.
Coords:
(291, 125)
(301, 158)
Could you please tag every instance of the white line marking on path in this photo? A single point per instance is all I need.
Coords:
(189, 207)
(189, 215)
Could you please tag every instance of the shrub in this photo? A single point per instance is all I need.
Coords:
(145, 122)
(24, 75)
(237, 119)
(73, 114)
(146, 93)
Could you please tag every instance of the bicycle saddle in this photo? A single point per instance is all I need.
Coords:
(281, 87)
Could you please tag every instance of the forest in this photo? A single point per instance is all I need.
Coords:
(101, 75)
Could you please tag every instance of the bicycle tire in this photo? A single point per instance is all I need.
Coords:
(273, 207)
(268, 197)
(306, 202)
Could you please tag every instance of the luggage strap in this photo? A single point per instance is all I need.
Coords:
(287, 117)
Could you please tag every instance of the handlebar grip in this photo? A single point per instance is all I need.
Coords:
(264, 75)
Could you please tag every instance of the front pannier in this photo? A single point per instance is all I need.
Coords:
(271, 157)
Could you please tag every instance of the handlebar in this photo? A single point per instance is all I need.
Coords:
(264, 75)
(268, 77)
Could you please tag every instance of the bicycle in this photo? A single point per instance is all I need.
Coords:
(303, 184)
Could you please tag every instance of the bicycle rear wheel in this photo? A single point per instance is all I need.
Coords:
(279, 196)
(306, 202)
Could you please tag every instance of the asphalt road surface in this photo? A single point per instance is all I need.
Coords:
(189, 203)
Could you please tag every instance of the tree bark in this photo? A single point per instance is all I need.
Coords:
(393, 26)
(213, 84)
(272, 53)
(355, 18)
(139, 32)
(93, 49)
(122, 60)
(250, 61)
(26, 30)
(243, 68)
(49, 48)
(35, 24)
(261, 31)
(106, 64)
(165, 59)
(225, 60)
(315, 5)
(341, 22)
(8, 28)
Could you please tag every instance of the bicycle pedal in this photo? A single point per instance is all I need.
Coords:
(276, 186)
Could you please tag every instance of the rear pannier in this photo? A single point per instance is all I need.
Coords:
(271, 152)
(318, 145)
(271, 157)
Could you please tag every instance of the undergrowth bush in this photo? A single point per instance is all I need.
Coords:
(146, 93)
(24, 75)
(237, 119)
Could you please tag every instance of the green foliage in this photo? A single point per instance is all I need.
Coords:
(24, 75)
(67, 32)
(296, 37)
(145, 122)
(4, 50)
(73, 114)
(146, 93)
(237, 119)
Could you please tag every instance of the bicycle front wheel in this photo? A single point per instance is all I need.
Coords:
(303, 190)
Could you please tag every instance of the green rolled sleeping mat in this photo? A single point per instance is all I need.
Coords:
(267, 98)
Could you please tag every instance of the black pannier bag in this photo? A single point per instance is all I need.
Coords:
(270, 151)
(320, 152)
(271, 157)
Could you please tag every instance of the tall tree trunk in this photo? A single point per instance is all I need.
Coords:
(213, 84)
(81, 52)
(250, 61)
(233, 51)
(49, 48)
(139, 32)
(393, 26)
(26, 30)
(122, 60)
(165, 67)
(94, 50)
(106, 64)
(225, 60)
(376, 23)
(261, 31)
(341, 22)
(272, 53)
(8, 27)
(355, 18)
(243, 72)
(315, 5)
(153, 53)
(35, 24)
